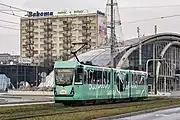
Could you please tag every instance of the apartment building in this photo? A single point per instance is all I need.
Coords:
(50, 38)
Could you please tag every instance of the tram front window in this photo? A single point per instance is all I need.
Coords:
(63, 77)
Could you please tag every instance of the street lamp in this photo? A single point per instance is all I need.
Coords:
(155, 89)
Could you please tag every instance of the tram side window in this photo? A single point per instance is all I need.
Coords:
(141, 80)
(126, 79)
(90, 77)
(121, 86)
(109, 78)
(85, 77)
(99, 77)
(105, 77)
(133, 79)
(117, 82)
(79, 75)
(94, 80)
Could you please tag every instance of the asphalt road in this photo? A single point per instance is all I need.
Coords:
(170, 114)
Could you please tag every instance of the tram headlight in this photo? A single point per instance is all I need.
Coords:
(63, 91)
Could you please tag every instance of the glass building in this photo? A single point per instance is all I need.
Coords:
(23, 73)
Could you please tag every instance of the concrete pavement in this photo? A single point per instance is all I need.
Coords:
(23, 93)
(17, 97)
(20, 104)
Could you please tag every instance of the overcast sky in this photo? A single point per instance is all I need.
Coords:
(9, 39)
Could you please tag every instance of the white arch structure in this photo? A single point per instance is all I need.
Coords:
(162, 55)
(174, 39)
(159, 37)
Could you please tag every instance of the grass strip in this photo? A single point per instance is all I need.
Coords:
(27, 108)
(91, 113)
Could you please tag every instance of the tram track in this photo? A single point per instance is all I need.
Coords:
(69, 110)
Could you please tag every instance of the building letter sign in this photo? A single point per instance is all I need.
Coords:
(72, 12)
(37, 14)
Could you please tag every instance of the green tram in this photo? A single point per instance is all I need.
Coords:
(76, 82)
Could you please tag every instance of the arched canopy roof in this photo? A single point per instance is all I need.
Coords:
(98, 57)
(103, 56)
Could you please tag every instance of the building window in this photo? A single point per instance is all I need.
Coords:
(36, 45)
(41, 39)
(60, 45)
(54, 20)
(42, 52)
(54, 45)
(36, 21)
(42, 20)
(93, 37)
(61, 39)
(54, 39)
(54, 52)
(42, 46)
(54, 26)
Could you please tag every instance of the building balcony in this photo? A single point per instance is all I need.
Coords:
(66, 54)
(31, 30)
(48, 23)
(86, 33)
(30, 24)
(48, 42)
(29, 42)
(29, 36)
(67, 34)
(50, 29)
(67, 41)
(67, 22)
(48, 36)
(48, 48)
(67, 28)
(84, 27)
(86, 21)
(66, 47)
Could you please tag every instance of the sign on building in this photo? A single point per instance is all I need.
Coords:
(38, 14)
(25, 60)
(72, 12)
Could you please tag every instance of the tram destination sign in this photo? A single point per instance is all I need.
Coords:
(39, 14)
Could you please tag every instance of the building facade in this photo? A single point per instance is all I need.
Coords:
(50, 38)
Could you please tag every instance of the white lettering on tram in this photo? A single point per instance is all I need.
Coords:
(97, 86)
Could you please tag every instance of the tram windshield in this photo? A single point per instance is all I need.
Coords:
(63, 77)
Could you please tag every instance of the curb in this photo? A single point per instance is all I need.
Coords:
(137, 113)
(23, 102)
(10, 97)
(29, 95)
